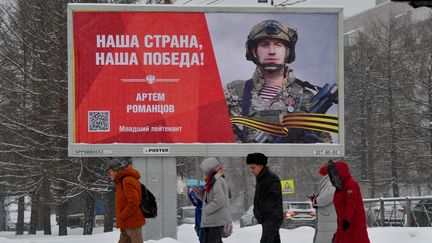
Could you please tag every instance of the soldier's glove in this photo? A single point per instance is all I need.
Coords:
(345, 224)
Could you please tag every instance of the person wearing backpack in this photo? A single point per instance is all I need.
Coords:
(129, 217)
(215, 208)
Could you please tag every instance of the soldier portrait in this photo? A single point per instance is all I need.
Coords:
(266, 106)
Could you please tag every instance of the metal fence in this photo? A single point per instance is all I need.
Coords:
(399, 211)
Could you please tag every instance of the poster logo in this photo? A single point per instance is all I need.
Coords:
(156, 150)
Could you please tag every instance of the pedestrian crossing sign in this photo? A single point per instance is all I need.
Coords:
(287, 186)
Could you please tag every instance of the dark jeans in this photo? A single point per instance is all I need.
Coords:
(199, 232)
(212, 234)
(270, 231)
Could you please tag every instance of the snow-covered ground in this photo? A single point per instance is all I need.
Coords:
(186, 234)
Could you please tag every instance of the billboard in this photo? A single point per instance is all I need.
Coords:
(177, 81)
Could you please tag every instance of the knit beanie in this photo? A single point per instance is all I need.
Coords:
(116, 165)
(256, 158)
(209, 164)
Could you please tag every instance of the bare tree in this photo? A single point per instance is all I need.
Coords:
(33, 123)
(382, 68)
(419, 64)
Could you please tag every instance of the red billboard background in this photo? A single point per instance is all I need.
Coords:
(146, 77)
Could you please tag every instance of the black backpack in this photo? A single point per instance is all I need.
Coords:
(148, 202)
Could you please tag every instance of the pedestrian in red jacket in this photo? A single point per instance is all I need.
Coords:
(348, 201)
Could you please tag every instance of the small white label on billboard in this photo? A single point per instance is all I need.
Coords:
(156, 150)
(327, 152)
(92, 152)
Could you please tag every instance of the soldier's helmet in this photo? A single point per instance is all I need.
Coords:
(275, 30)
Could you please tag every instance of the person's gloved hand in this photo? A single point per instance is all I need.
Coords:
(314, 201)
(345, 224)
(312, 198)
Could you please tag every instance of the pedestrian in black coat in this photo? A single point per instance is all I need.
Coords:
(268, 198)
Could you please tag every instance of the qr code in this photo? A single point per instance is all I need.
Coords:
(98, 121)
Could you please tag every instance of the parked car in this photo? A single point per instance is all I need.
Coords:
(394, 214)
(186, 215)
(73, 220)
(248, 218)
(298, 214)
(11, 226)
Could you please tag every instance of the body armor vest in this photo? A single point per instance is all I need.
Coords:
(243, 100)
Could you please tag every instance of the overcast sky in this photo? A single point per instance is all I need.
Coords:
(351, 7)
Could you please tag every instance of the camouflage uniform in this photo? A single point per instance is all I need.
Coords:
(293, 97)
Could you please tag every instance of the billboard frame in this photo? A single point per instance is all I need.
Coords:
(201, 149)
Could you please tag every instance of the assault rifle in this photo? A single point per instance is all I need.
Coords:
(325, 97)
